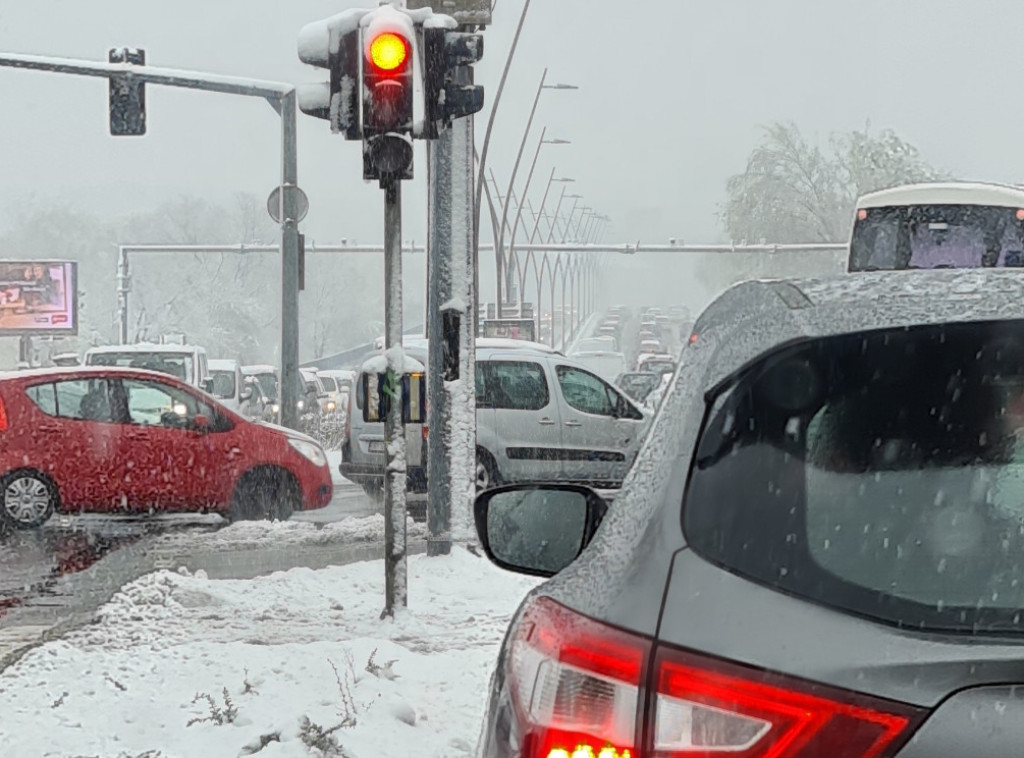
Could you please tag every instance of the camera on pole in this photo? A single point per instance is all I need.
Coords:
(127, 95)
(388, 56)
(448, 89)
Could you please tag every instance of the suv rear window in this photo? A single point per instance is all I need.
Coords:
(879, 473)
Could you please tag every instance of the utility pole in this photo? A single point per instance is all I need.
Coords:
(440, 259)
(395, 568)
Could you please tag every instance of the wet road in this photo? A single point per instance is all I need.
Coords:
(38, 567)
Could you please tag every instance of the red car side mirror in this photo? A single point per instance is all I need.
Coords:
(202, 422)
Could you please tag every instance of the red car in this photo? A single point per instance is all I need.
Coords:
(127, 440)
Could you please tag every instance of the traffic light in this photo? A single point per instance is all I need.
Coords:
(448, 89)
(127, 95)
(333, 43)
(388, 57)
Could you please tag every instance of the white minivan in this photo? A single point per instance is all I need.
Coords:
(186, 362)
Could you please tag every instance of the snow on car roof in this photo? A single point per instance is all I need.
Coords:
(145, 347)
(946, 193)
(259, 368)
(222, 364)
(755, 317)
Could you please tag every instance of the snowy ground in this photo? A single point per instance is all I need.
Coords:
(126, 684)
(252, 535)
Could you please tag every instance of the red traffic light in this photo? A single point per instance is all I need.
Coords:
(389, 52)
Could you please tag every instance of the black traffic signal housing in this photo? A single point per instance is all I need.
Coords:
(127, 95)
(333, 43)
(388, 81)
(448, 89)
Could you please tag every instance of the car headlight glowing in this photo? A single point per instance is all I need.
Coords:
(309, 450)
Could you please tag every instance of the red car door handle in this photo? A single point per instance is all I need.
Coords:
(49, 428)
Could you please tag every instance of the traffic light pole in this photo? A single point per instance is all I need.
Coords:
(282, 97)
(395, 566)
(440, 259)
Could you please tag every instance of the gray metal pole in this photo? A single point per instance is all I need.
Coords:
(290, 379)
(123, 287)
(395, 574)
(439, 292)
(462, 393)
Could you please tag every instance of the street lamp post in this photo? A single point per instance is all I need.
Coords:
(499, 247)
(519, 212)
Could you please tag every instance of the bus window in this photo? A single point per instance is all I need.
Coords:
(936, 236)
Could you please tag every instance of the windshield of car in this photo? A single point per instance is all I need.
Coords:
(176, 364)
(895, 463)
(223, 383)
(328, 383)
(638, 386)
(935, 236)
(268, 384)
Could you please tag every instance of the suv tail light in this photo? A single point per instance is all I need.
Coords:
(576, 687)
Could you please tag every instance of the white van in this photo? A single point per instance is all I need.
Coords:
(186, 362)
(235, 390)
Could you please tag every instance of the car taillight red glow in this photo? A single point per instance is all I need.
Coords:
(575, 684)
(705, 708)
(3, 416)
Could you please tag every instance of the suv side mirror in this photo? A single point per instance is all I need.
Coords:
(245, 394)
(208, 385)
(537, 529)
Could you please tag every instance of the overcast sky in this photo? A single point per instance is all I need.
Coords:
(672, 94)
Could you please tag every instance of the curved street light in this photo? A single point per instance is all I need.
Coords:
(500, 240)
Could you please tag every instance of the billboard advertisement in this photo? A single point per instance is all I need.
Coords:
(511, 328)
(38, 297)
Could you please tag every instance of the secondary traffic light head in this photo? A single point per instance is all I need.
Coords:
(127, 95)
(333, 43)
(448, 89)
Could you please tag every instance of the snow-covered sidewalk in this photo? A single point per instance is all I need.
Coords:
(181, 665)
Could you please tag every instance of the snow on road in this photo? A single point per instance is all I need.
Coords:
(265, 652)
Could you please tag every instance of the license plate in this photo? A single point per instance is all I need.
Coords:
(377, 446)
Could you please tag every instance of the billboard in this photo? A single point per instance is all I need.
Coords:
(511, 328)
(38, 297)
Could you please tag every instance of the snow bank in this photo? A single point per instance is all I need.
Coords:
(253, 535)
(126, 684)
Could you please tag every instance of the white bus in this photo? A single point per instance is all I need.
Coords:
(939, 225)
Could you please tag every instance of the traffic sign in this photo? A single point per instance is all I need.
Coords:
(301, 203)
